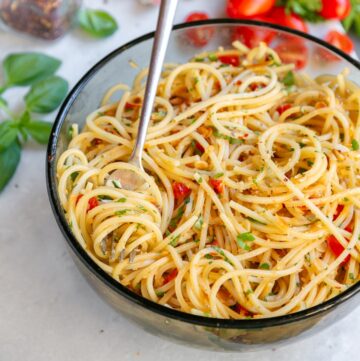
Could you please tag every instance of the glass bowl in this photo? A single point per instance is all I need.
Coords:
(317, 58)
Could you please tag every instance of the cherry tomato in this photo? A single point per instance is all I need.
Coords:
(248, 8)
(93, 202)
(278, 15)
(217, 185)
(230, 59)
(202, 35)
(294, 52)
(170, 276)
(282, 108)
(181, 191)
(335, 9)
(251, 36)
(341, 41)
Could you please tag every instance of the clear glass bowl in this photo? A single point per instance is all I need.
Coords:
(210, 333)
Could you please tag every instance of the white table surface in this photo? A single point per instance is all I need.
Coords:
(47, 310)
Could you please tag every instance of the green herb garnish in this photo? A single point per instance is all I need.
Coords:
(122, 212)
(264, 266)
(73, 175)
(199, 223)
(104, 197)
(121, 200)
(289, 78)
(218, 175)
(354, 144)
(256, 221)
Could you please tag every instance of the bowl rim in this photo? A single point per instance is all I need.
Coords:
(116, 286)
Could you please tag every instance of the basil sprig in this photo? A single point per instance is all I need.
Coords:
(45, 94)
(97, 23)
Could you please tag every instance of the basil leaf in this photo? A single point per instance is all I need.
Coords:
(97, 23)
(39, 130)
(28, 68)
(9, 160)
(8, 133)
(289, 79)
(46, 95)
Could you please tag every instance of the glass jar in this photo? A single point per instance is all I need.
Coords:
(46, 19)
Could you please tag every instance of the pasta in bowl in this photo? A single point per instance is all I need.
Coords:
(249, 207)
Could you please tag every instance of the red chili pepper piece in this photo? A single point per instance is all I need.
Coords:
(282, 108)
(93, 202)
(181, 191)
(217, 185)
(170, 276)
(199, 147)
(230, 59)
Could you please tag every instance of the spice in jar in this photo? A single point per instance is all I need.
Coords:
(47, 19)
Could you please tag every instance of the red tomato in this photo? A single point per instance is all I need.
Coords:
(217, 185)
(339, 40)
(170, 276)
(181, 191)
(248, 8)
(130, 106)
(201, 35)
(278, 15)
(282, 108)
(339, 209)
(93, 202)
(294, 52)
(230, 59)
(251, 36)
(335, 9)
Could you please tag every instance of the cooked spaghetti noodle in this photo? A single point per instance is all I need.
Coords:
(250, 206)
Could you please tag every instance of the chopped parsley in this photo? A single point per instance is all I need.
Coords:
(231, 140)
(354, 144)
(160, 293)
(121, 200)
(199, 180)
(174, 221)
(73, 176)
(248, 292)
(246, 236)
(122, 212)
(199, 60)
(187, 200)
(218, 175)
(199, 223)
(310, 163)
(173, 242)
(242, 238)
(222, 253)
(212, 57)
(351, 276)
(209, 256)
(116, 184)
(302, 170)
(264, 266)
(302, 145)
(255, 221)
(103, 197)
(289, 78)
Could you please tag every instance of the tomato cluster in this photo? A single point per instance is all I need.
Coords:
(268, 11)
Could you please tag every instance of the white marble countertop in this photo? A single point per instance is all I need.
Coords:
(47, 310)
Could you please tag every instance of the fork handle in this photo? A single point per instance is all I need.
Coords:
(162, 35)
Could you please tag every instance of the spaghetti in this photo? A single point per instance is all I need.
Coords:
(250, 206)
